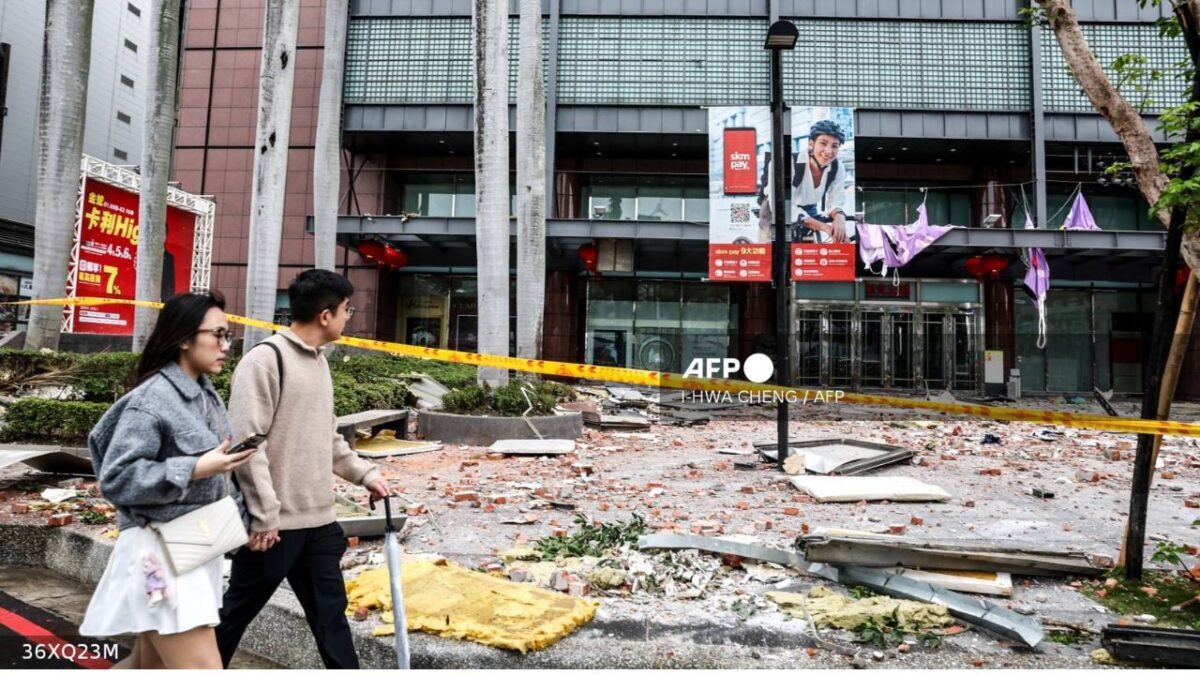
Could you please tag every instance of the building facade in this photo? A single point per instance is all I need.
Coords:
(958, 106)
(112, 127)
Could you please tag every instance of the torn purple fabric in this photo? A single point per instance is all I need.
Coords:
(896, 245)
(1080, 217)
(1037, 280)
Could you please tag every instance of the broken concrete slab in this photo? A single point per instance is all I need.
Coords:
(545, 446)
(840, 456)
(428, 392)
(878, 550)
(722, 546)
(48, 458)
(978, 612)
(859, 488)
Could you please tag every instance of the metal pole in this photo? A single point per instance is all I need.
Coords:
(780, 249)
(5, 50)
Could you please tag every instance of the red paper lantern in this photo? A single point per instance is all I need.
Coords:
(395, 258)
(1181, 276)
(372, 250)
(989, 265)
(589, 254)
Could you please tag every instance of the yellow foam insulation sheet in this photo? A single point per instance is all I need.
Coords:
(828, 608)
(451, 601)
(385, 444)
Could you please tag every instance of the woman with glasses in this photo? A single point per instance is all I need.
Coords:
(160, 452)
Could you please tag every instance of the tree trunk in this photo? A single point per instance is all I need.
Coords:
(531, 184)
(490, 33)
(326, 166)
(62, 109)
(1129, 126)
(157, 139)
(275, 83)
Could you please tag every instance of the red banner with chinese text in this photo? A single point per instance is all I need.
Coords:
(107, 262)
(739, 262)
(823, 262)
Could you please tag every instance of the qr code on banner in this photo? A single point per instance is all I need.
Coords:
(739, 214)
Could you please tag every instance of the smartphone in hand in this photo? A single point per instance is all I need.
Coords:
(252, 442)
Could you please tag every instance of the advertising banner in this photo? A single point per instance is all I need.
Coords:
(823, 262)
(105, 256)
(823, 173)
(739, 195)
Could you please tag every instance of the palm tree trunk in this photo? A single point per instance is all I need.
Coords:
(326, 167)
(275, 87)
(490, 32)
(162, 70)
(62, 109)
(531, 184)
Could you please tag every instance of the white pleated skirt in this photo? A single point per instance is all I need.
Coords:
(125, 601)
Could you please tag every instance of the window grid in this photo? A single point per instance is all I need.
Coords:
(123, 117)
(418, 60)
(127, 81)
(1109, 42)
(912, 64)
(664, 61)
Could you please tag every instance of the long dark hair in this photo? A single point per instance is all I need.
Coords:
(178, 322)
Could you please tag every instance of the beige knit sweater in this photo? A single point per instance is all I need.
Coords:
(288, 485)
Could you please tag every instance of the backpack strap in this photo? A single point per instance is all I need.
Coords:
(833, 169)
(278, 363)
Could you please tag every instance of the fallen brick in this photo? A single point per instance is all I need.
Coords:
(763, 525)
(19, 508)
(990, 472)
(1167, 475)
(804, 529)
(361, 613)
(743, 505)
(1192, 502)
(791, 511)
(970, 503)
(748, 489)
(351, 542)
(415, 509)
(579, 587)
(897, 529)
(60, 519)
(916, 520)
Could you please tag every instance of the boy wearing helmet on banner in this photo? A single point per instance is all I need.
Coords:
(819, 187)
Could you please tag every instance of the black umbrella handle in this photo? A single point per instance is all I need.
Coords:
(389, 526)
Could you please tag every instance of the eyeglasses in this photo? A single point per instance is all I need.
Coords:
(350, 311)
(223, 335)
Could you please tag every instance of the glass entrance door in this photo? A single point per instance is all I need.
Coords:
(886, 347)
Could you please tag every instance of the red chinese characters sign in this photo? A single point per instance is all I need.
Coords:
(106, 265)
(739, 262)
(823, 262)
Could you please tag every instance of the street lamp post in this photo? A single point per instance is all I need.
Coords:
(781, 36)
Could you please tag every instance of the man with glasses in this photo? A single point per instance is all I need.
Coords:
(282, 389)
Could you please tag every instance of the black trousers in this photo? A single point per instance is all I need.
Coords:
(310, 560)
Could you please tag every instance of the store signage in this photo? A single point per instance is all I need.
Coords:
(882, 290)
(739, 199)
(104, 258)
(741, 161)
(823, 262)
(739, 262)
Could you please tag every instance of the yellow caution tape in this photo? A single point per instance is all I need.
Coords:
(736, 388)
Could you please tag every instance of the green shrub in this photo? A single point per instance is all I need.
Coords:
(508, 400)
(351, 395)
(105, 377)
(41, 419)
(21, 370)
(465, 400)
(511, 399)
(372, 366)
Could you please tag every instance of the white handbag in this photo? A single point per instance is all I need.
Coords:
(199, 536)
(207, 533)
